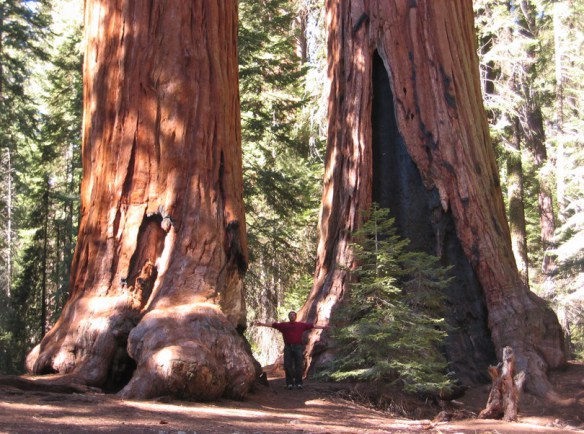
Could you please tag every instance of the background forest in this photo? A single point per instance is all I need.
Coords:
(532, 57)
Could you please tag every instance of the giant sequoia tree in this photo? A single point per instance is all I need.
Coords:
(407, 129)
(156, 282)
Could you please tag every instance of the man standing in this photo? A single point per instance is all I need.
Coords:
(292, 332)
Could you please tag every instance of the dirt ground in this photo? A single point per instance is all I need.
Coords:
(319, 408)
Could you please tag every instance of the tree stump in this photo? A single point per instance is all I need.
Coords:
(504, 396)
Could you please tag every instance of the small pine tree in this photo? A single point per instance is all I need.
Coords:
(390, 327)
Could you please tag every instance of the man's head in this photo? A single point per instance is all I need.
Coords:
(292, 316)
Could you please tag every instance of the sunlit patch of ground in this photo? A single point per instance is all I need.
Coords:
(318, 408)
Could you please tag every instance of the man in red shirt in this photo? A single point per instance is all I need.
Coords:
(292, 332)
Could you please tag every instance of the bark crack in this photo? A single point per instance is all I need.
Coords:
(142, 272)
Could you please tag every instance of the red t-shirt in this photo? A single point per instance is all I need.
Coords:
(292, 331)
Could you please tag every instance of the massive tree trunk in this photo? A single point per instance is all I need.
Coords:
(407, 129)
(157, 299)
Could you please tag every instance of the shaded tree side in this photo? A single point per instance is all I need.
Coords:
(397, 185)
(429, 49)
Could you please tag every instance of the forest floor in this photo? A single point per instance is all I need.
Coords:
(319, 408)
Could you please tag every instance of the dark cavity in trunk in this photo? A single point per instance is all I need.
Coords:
(397, 185)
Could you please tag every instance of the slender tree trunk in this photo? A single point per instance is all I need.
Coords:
(156, 282)
(9, 239)
(535, 138)
(1, 50)
(72, 215)
(45, 264)
(535, 141)
(517, 224)
(301, 42)
(6, 190)
(559, 123)
(407, 129)
(8, 168)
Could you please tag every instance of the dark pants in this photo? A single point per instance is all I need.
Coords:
(294, 363)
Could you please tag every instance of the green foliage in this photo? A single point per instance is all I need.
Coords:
(23, 28)
(569, 176)
(282, 140)
(570, 144)
(390, 327)
(532, 61)
(514, 57)
(62, 135)
(295, 296)
(569, 279)
(281, 177)
(46, 175)
(577, 337)
(7, 364)
(23, 24)
(25, 303)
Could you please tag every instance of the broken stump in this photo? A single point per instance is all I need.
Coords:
(504, 396)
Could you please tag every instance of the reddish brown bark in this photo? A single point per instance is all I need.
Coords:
(503, 399)
(158, 268)
(428, 53)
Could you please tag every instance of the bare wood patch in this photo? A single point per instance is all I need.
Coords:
(504, 396)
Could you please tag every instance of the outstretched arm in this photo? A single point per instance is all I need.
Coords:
(262, 324)
(320, 327)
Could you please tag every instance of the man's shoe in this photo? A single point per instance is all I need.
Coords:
(299, 386)
(290, 387)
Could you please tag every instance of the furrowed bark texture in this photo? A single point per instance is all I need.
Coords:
(157, 275)
(407, 129)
